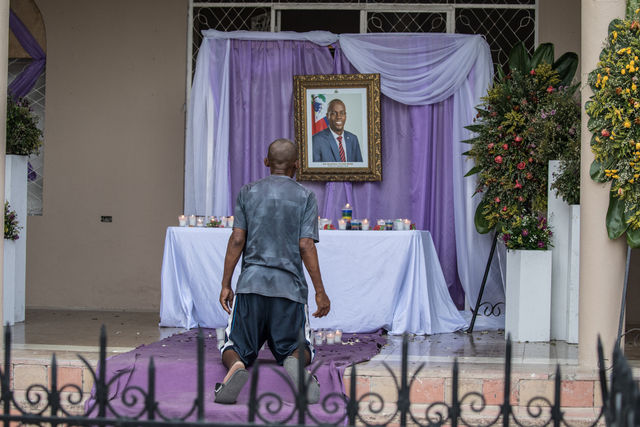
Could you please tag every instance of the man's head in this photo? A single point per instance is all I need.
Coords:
(337, 115)
(282, 157)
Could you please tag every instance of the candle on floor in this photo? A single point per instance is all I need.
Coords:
(200, 221)
(407, 224)
(331, 337)
(220, 334)
(338, 337)
(365, 224)
(183, 220)
(192, 220)
(342, 224)
(230, 222)
(318, 338)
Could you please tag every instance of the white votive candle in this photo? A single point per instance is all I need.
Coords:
(365, 224)
(200, 221)
(407, 224)
(230, 222)
(318, 338)
(342, 224)
(220, 334)
(192, 220)
(223, 221)
(338, 337)
(399, 225)
(182, 220)
(331, 337)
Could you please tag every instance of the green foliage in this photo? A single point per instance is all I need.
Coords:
(526, 232)
(11, 229)
(614, 112)
(23, 135)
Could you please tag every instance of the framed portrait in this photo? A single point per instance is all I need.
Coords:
(337, 127)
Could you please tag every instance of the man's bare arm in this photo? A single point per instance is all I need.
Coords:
(310, 259)
(234, 250)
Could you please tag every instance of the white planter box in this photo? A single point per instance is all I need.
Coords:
(528, 295)
(573, 275)
(558, 218)
(15, 253)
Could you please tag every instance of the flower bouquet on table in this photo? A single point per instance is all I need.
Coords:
(11, 229)
(214, 224)
(329, 227)
(526, 232)
(614, 111)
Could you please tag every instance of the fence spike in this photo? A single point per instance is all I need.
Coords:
(352, 405)
(302, 386)
(151, 392)
(6, 385)
(200, 374)
(253, 393)
(403, 393)
(506, 406)
(101, 386)
(556, 413)
(455, 400)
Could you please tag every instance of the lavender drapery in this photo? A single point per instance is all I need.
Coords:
(23, 84)
(417, 156)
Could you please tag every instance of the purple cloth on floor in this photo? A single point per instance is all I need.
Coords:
(176, 365)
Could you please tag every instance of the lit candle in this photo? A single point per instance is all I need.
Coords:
(200, 221)
(192, 220)
(347, 212)
(338, 337)
(331, 337)
(365, 226)
(183, 220)
(407, 224)
(318, 336)
(230, 222)
(342, 224)
(399, 225)
(223, 221)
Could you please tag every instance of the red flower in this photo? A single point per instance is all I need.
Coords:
(329, 227)
(518, 139)
(518, 185)
(504, 209)
(490, 146)
(529, 176)
(497, 199)
(635, 25)
(550, 89)
(498, 159)
(521, 165)
(505, 147)
(521, 198)
(533, 72)
(605, 133)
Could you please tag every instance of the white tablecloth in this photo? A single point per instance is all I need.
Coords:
(375, 279)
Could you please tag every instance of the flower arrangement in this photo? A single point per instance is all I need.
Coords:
(329, 227)
(526, 232)
(521, 123)
(11, 229)
(214, 224)
(23, 135)
(614, 111)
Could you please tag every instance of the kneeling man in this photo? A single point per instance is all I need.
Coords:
(276, 225)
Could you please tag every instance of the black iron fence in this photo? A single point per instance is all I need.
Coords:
(46, 405)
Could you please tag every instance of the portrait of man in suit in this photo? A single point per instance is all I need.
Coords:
(335, 144)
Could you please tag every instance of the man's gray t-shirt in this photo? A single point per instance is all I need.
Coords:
(276, 212)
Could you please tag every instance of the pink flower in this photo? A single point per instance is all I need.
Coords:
(490, 146)
(505, 147)
(518, 185)
(550, 89)
(518, 139)
(499, 127)
(541, 244)
(521, 165)
(605, 133)
(533, 72)
(504, 209)
(521, 199)
(497, 199)
(498, 159)
(529, 176)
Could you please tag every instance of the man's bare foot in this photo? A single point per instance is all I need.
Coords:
(237, 365)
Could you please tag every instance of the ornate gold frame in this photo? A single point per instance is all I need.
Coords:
(333, 83)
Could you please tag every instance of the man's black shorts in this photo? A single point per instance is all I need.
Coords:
(256, 318)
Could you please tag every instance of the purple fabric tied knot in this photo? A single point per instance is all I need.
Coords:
(31, 174)
(23, 84)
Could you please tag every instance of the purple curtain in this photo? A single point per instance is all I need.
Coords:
(23, 84)
(416, 149)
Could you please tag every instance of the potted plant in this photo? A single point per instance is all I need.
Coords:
(23, 139)
(528, 283)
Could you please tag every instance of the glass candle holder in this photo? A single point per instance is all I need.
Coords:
(318, 338)
(398, 225)
(365, 224)
(331, 335)
(338, 337)
(182, 219)
(200, 221)
(388, 224)
(347, 211)
(407, 224)
(192, 220)
(230, 222)
(342, 224)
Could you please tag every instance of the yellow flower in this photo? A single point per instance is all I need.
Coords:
(615, 35)
(636, 176)
(629, 50)
(622, 72)
(615, 176)
(637, 10)
(633, 87)
(632, 63)
(627, 66)
(631, 181)
(627, 90)
(627, 124)
(607, 171)
(597, 139)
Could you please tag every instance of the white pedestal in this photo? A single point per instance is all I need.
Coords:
(15, 253)
(558, 218)
(573, 275)
(528, 295)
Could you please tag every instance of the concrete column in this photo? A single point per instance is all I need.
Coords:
(602, 261)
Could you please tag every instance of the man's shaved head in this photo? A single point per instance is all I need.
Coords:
(282, 153)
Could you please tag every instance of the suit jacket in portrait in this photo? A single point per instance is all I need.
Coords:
(325, 147)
